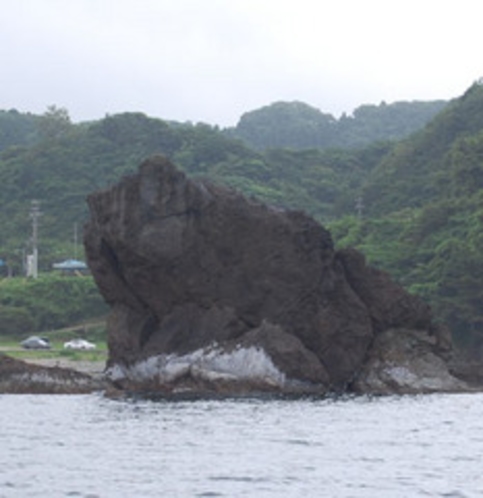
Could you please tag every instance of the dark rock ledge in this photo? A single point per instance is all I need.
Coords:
(213, 292)
(19, 377)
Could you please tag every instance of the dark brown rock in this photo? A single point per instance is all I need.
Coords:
(19, 377)
(206, 284)
(389, 305)
(405, 362)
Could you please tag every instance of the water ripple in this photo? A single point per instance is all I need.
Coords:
(92, 447)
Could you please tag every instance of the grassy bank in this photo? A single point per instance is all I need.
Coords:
(93, 332)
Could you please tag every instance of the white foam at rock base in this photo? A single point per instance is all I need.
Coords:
(242, 364)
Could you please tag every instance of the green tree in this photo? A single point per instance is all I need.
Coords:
(54, 123)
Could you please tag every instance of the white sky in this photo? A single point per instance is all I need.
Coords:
(213, 60)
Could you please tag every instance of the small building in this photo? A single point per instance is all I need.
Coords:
(72, 267)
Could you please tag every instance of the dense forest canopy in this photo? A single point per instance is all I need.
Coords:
(17, 129)
(402, 182)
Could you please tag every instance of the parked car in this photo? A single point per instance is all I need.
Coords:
(36, 342)
(79, 344)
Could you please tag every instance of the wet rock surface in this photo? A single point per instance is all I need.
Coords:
(210, 290)
(407, 362)
(20, 377)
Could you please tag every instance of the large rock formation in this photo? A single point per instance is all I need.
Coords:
(212, 291)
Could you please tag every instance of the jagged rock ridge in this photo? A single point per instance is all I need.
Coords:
(212, 291)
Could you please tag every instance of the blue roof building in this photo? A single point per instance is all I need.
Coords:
(71, 266)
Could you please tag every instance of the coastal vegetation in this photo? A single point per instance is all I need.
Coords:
(49, 302)
(401, 182)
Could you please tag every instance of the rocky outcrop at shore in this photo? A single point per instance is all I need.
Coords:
(211, 291)
(407, 362)
(19, 377)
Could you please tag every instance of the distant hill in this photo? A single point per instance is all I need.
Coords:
(423, 215)
(296, 125)
(419, 169)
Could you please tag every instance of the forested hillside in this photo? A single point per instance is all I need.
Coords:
(17, 129)
(414, 207)
(423, 217)
(296, 125)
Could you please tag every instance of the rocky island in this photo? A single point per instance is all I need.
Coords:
(212, 292)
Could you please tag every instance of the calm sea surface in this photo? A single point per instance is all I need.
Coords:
(89, 446)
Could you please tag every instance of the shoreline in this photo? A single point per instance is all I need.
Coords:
(93, 368)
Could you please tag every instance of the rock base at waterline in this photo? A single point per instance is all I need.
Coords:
(241, 370)
(406, 362)
(19, 377)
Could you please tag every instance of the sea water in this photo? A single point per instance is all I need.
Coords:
(91, 446)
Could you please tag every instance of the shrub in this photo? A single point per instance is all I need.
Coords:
(15, 321)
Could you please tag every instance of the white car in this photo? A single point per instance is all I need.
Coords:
(79, 344)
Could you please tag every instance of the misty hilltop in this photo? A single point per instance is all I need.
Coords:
(296, 125)
(293, 125)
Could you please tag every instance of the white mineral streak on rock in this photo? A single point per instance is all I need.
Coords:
(404, 377)
(401, 374)
(421, 375)
(213, 364)
(47, 379)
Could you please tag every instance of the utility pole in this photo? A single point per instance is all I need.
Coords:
(75, 241)
(33, 266)
(359, 206)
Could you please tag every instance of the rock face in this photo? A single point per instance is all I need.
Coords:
(406, 362)
(212, 291)
(18, 377)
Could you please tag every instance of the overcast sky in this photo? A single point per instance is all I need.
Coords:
(213, 60)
